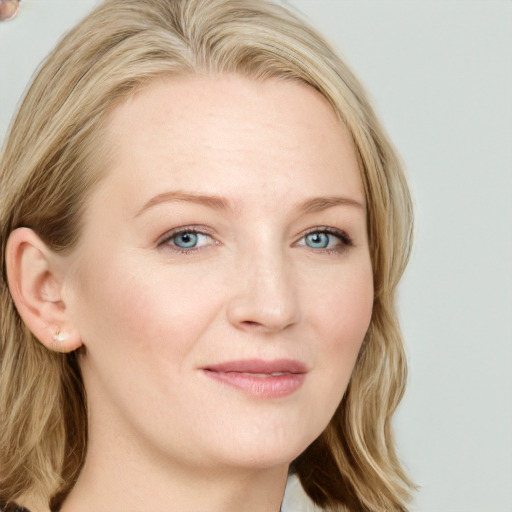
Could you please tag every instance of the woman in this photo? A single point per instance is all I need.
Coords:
(203, 226)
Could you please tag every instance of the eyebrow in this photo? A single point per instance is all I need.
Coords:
(319, 204)
(213, 202)
(313, 205)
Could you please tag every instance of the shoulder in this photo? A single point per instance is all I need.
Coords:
(296, 499)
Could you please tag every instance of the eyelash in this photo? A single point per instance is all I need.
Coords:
(166, 239)
(342, 236)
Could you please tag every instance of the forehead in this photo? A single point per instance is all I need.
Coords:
(223, 134)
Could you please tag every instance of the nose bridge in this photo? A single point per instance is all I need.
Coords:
(265, 295)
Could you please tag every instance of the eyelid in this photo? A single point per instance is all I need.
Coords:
(344, 237)
(342, 234)
(195, 229)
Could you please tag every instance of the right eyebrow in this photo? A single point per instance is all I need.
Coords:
(214, 202)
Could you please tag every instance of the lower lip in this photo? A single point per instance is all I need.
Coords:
(269, 386)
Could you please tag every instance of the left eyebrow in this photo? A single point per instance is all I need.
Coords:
(319, 204)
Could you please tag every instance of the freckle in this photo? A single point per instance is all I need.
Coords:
(9, 9)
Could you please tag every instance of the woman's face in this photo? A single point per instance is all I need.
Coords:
(222, 286)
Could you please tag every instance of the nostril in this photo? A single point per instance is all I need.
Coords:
(250, 323)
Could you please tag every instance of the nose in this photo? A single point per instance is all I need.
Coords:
(264, 298)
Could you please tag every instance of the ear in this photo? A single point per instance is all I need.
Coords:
(35, 276)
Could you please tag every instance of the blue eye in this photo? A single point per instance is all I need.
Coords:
(318, 240)
(186, 240)
(326, 239)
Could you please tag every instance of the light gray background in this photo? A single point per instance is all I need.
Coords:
(440, 73)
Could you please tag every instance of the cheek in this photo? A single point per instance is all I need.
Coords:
(345, 306)
(342, 315)
(139, 310)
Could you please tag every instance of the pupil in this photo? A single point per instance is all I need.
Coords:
(186, 240)
(318, 240)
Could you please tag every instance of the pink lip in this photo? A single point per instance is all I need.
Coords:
(256, 377)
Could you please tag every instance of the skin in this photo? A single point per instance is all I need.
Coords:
(152, 316)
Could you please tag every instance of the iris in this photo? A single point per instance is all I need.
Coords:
(318, 240)
(185, 240)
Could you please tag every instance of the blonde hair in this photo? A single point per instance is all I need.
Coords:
(49, 166)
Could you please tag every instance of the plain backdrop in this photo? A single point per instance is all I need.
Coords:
(440, 75)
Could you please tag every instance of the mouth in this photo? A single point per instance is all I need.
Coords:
(259, 378)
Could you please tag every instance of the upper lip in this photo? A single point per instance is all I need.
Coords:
(259, 366)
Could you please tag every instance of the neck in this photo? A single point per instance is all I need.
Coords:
(127, 480)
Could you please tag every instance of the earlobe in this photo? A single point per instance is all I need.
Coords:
(35, 282)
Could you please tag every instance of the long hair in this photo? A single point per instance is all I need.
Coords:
(51, 162)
